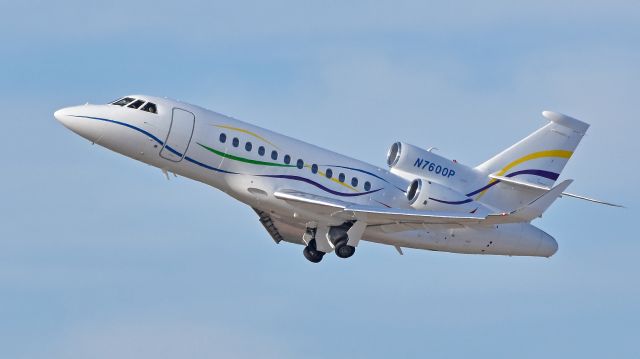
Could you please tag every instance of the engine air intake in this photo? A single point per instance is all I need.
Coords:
(393, 156)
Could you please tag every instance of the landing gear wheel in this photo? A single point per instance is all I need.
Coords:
(311, 253)
(343, 250)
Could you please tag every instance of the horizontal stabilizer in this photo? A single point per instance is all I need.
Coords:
(515, 182)
(533, 186)
(539, 205)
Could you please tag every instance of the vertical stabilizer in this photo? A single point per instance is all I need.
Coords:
(537, 159)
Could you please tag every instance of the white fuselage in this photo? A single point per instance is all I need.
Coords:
(251, 163)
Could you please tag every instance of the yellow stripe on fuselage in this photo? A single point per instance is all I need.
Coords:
(248, 133)
(334, 180)
(529, 157)
(267, 141)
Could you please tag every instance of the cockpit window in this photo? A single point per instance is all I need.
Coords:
(150, 107)
(131, 102)
(123, 101)
(136, 104)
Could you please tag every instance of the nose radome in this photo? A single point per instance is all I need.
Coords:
(85, 126)
(62, 116)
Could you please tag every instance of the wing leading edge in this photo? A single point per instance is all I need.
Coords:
(372, 215)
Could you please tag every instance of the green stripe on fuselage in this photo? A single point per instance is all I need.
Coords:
(242, 159)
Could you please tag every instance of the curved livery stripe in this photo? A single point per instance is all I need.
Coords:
(366, 172)
(248, 133)
(452, 202)
(272, 164)
(533, 156)
(546, 174)
(523, 159)
(206, 166)
(243, 159)
(314, 183)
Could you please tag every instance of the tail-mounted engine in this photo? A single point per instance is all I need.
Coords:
(409, 161)
(426, 195)
(438, 179)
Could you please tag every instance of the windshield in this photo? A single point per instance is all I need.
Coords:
(134, 103)
(122, 101)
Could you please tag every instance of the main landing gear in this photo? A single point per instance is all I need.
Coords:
(336, 238)
(343, 250)
(311, 253)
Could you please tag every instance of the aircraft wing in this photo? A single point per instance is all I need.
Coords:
(376, 215)
(373, 215)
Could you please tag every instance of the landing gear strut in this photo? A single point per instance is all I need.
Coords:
(311, 253)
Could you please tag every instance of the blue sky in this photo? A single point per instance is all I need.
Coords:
(101, 257)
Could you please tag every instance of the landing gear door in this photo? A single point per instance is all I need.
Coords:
(179, 137)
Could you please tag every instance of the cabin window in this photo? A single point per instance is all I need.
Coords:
(136, 104)
(300, 164)
(354, 182)
(287, 159)
(314, 168)
(341, 177)
(261, 150)
(274, 155)
(329, 173)
(235, 142)
(367, 186)
(223, 138)
(123, 101)
(150, 107)
(248, 146)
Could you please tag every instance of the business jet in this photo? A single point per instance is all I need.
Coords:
(329, 202)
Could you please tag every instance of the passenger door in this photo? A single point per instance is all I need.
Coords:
(179, 137)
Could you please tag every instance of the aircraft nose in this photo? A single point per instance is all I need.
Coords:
(62, 116)
(84, 126)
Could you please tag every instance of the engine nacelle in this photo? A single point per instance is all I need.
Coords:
(427, 195)
(409, 161)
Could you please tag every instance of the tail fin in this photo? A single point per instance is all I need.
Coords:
(537, 159)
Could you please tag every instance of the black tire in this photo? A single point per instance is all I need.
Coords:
(312, 255)
(343, 250)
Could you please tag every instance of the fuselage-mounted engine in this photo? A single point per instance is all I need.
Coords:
(427, 195)
(409, 161)
(436, 180)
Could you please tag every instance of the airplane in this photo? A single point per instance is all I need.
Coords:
(328, 202)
